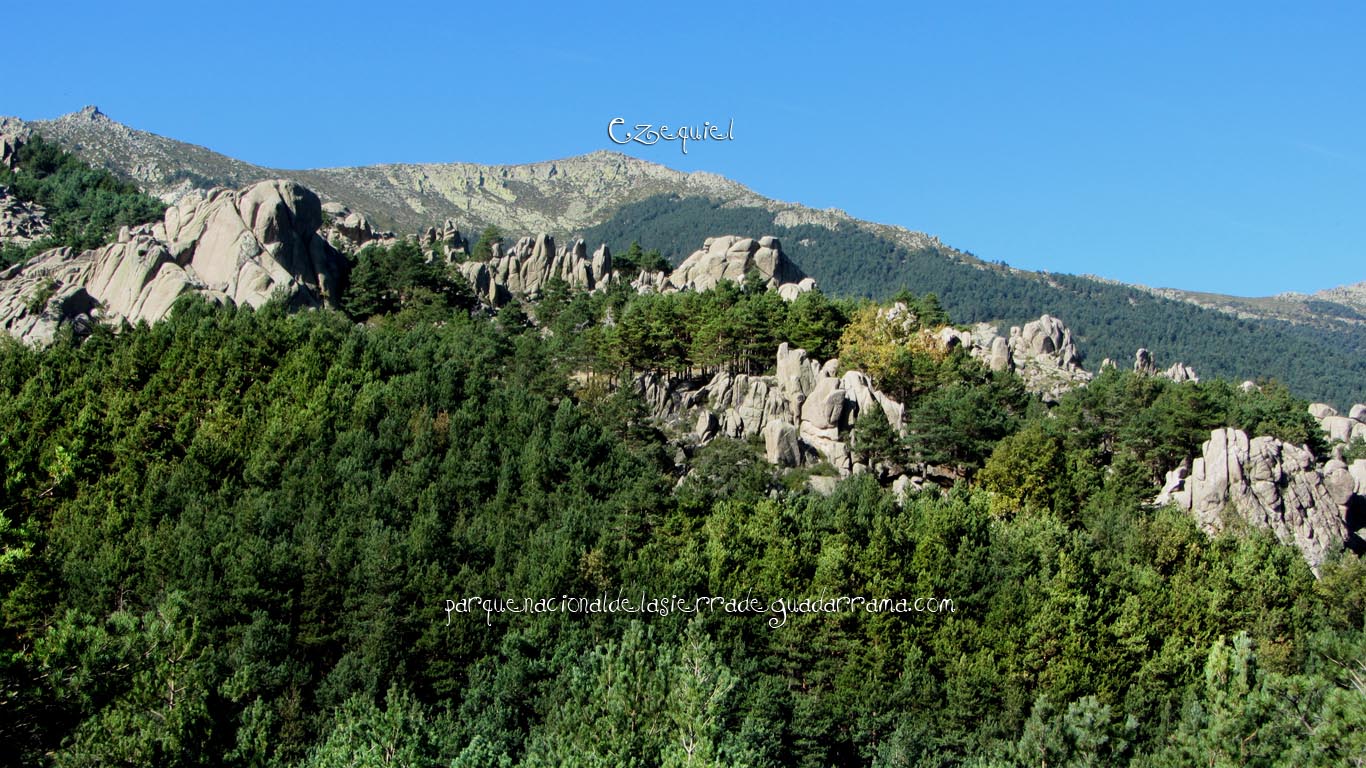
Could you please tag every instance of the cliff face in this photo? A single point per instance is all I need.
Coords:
(242, 246)
(1319, 507)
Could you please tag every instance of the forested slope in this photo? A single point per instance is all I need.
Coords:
(1108, 320)
(229, 539)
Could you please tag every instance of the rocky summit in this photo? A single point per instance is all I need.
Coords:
(243, 246)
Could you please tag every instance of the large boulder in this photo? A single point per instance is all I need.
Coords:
(824, 407)
(781, 446)
(1041, 351)
(1338, 428)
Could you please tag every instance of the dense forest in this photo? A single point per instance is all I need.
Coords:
(84, 206)
(230, 539)
(1108, 320)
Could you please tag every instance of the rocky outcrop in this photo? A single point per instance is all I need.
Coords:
(21, 223)
(526, 268)
(446, 240)
(235, 246)
(731, 257)
(1338, 428)
(1145, 365)
(350, 230)
(803, 413)
(1269, 484)
(1180, 373)
(781, 446)
(13, 133)
(1041, 351)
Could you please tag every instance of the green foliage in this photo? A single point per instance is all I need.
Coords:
(1085, 735)
(1326, 363)
(387, 279)
(483, 247)
(400, 733)
(960, 422)
(727, 328)
(634, 260)
(228, 539)
(874, 440)
(1028, 470)
(85, 207)
(37, 302)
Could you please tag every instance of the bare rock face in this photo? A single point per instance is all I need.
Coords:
(242, 246)
(1144, 363)
(790, 291)
(526, 268)
(350, 230)
(1338, 428)
(1180, 373)
(13, 133)
(780, 444)
(811, 405)
(1042, 352)
(1322, 411)
(1269, 484)
(21, 223)
(528, 265)
(447, 240)
(731, 257)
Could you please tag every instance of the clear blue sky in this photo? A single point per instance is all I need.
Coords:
(1209, 146)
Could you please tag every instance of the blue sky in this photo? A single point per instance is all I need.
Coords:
(1209, 146)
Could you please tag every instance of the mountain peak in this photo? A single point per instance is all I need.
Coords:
(88, 112)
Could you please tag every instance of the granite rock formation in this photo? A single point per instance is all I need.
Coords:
(21, 223)
(803, 412)
(350, 230)
(731, 257)
(524, 269)
(242, 246)
(1041, 351)
(1338, 428)
(1266, 483)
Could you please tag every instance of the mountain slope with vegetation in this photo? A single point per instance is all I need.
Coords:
(238, 537)
(230, 537)
(1109, 320)
(1317, 345)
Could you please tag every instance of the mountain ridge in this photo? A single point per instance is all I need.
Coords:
(1317, 344)
(435, 182)
(169, 169)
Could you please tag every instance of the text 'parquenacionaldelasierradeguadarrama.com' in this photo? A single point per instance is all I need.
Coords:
(776, 609)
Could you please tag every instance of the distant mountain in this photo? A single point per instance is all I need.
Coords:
(1335, 307)
(1315, 344)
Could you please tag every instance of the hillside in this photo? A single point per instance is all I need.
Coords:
(1317, 345)
(1334, 308)
(249, 537)
(570, 522)
(1323, 360)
